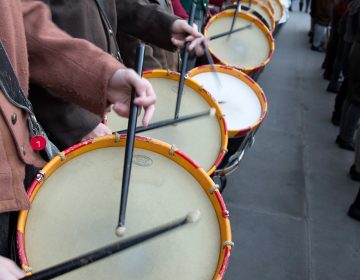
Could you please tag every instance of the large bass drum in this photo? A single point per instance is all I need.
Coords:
(75, 207)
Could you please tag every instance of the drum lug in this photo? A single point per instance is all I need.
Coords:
(172, 150)
(214, 188)
(228, 243)
(40, 176)
(27, 269)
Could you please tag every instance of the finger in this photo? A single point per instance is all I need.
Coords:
(121, 109)
(145, 101)
(199, 50)
(149, 112)
(15, 270)
(177, 43)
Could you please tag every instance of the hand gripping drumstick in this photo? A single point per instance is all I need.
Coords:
(109, 250)
(129, 150)
(185, 59)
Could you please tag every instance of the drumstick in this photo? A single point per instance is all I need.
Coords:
(228, 32)
(120, 230)
(109, 250)
(169, 122)
(213, 68)
(185, 59)
(234, 17)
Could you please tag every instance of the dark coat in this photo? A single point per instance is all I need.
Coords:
(155, 57)
(66, 123)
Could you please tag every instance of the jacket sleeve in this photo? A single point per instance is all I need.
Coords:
(148, 22)
(72, 68)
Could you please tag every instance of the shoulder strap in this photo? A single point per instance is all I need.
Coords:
(10, 86)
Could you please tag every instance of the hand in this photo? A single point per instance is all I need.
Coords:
(182, 32)
(9, 270)
(119, 94)
(100, 130)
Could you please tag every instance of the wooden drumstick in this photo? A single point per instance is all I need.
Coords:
(234, 18)
(109, 250)
(213, 68)
(185, 60)
(168, 122)
(228, 32)
(129, 150)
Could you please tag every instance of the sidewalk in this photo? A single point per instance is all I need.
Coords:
(288, 198)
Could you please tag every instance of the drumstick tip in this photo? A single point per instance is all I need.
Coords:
(193, 217)
(120, 231)
(212, 112)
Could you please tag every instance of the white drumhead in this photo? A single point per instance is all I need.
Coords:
(248, 48)
(238, 101)
(76, 211)
(199, 138)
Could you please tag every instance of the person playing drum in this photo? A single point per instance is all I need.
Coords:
(38, 49)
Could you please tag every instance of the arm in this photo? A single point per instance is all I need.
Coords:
(148, 22)
(9, 270)
(80, 72)
(75, 73)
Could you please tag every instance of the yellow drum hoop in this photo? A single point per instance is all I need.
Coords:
(142, 143)
(264, 8)
(279, 4)
(171, 75)
(247, 80)
(257, 22)
(270, 6)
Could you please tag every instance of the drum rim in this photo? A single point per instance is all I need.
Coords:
(267, 11)
(152, 145)
(173, 75)
(246, 79)
(271, 6)
(257, 22)
(279, 4)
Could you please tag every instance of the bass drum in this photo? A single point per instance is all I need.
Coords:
(75, 206)
(203, 139)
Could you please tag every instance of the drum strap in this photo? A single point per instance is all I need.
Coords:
(10, 86)
(108, 29)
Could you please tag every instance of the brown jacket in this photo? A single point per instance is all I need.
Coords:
(155, 57)
(67, 123)
(56, 61)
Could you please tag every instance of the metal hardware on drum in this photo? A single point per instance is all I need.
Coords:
(120, 230)
(169, 122)
(114, 248)
(230, 32)
(185, 60)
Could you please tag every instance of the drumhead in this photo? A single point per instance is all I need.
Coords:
(75, 210)
(203, 139)
(241, 99)
(248, 50)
